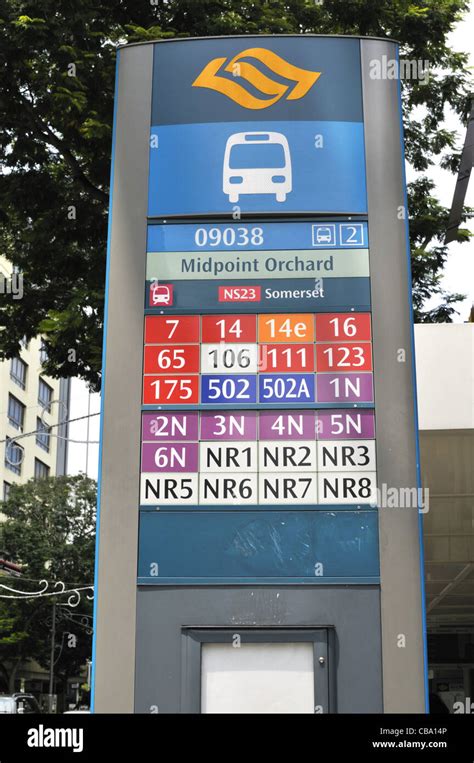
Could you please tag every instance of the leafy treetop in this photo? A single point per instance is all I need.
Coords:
(57, 68)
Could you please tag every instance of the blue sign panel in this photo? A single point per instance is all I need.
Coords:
(247, 78)
(268, 546)
(244, 236)
(266, 295)
(267, 125)
(248, 318)
(282, 167)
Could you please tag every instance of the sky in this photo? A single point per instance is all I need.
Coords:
(83, 458)
(458, 277)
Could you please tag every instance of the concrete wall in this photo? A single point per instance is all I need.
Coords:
(445, 375)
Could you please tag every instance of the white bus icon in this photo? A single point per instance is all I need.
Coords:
(257, 162)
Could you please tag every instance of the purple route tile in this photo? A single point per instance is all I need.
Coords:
(163, 427)
(344, 388)
(345, 425)
(288, 425)
(241, 425)
(170, 457)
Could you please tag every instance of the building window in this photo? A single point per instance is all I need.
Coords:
(43, 353)
(45, 395)
(42, 434)
(14, 455)
(41, 470)
(6, 490)
(16, 413)
(18, 372)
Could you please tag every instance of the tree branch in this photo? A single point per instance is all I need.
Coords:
(65, 152)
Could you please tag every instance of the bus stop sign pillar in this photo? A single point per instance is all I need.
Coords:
(259, 392)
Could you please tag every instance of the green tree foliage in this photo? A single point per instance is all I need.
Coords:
(56, 82)
(49, 530)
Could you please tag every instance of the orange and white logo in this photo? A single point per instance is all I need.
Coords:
(272, 90)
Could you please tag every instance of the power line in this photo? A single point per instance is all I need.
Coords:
(52, 426)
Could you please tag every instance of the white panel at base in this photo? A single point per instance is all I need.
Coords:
(257, 678)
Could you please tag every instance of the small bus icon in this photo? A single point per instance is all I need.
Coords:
(324, 235)
(256, 163)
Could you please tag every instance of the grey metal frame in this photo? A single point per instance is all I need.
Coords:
(399, 529)
(323, 658)
(116, 576)
(250, 36)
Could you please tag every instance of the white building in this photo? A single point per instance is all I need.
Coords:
(30, 402)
